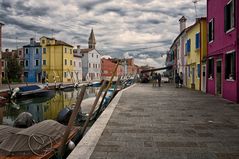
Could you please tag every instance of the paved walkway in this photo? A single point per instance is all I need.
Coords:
(170, 123)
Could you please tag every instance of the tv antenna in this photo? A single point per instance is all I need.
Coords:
(195, 6)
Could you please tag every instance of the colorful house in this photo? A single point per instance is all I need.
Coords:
(33, 58)
(195, 52)
(91, 60)
(57, 60)
(77, 76)
(222, 58)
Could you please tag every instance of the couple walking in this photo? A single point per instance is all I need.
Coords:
(156, 77)
(179, 80)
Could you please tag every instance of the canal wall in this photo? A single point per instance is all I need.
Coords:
(86, 146)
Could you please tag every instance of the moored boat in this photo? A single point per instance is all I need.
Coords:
(30, 91)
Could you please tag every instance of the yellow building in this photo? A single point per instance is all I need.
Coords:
(57, 60)
(195, 55)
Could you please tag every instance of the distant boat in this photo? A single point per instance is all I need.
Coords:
(39, 141)
(95, 84)
(30, 91)
(67, 87)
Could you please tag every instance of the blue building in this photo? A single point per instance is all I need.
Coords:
(32, 61)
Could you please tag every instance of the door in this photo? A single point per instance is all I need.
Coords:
(219, 77)
(204, 78)
(186, 76)
(193, 78)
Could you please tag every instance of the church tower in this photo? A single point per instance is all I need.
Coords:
(92, 40)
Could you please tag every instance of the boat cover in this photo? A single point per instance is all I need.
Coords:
(6, 131)
(36, 139)
(29, 88)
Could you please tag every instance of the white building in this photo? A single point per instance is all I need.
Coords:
(77, 74)
(91, 60)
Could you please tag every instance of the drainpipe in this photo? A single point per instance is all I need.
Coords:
(200, 51)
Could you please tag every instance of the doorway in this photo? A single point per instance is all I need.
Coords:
(219, 77)
(193, 78)
(204, 78)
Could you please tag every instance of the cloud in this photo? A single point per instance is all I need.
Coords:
(118, 25)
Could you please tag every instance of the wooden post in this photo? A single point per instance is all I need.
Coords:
(72, 119)
(92, 109)
(109, 84)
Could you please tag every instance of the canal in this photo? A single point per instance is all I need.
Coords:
(42, 108)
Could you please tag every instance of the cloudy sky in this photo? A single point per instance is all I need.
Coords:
(122, 27)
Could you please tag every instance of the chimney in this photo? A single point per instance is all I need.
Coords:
(78, 49)
(32, 41)
(6, 50)
(182, 22)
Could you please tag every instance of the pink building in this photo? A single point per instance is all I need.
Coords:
(223, 50)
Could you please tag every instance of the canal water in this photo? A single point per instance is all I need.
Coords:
(42, 108)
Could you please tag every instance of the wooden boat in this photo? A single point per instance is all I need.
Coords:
(40, 141)
(67, 87)
(30, 91)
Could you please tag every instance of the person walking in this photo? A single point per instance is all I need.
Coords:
(181, 80)
(177, 80)
(159, 79)
(154, 78)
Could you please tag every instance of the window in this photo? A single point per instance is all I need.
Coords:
(97, 56)
(189, 72)
(199, 70)
(65, 74)
(22, 63)
(230, 69)
(37, 62)
(37, 50)
(20, 53)
(92, 55)
(2, 63)
(26, 51)
(211, 31)
(89, 65)
(26, 63)
(44, 50)
(70, 51)
(197, 41)
(74, 63)
(79, 64)
(71, 74)
(43, 62)
(229, 16)
(65, 50)
(43, 41)
(65, 61)
(210, 68)
(188, 47)
(71, 62)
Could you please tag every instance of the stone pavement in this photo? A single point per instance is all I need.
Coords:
(170, 123)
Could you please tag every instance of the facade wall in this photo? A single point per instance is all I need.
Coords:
(193, 59)
(33, 69)
(223, 43)
(94, 71)
(77, 69)
(56, 68)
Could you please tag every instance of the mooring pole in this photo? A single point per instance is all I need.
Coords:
(72, 119)
(92, 109)
(107, 88)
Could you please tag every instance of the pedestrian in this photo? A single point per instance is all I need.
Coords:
(177, 80)
(181, 80)
(154, 78)
(159, 79)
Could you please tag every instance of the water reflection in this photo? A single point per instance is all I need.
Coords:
(42, 108)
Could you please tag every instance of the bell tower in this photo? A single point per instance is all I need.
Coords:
(92, 41)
